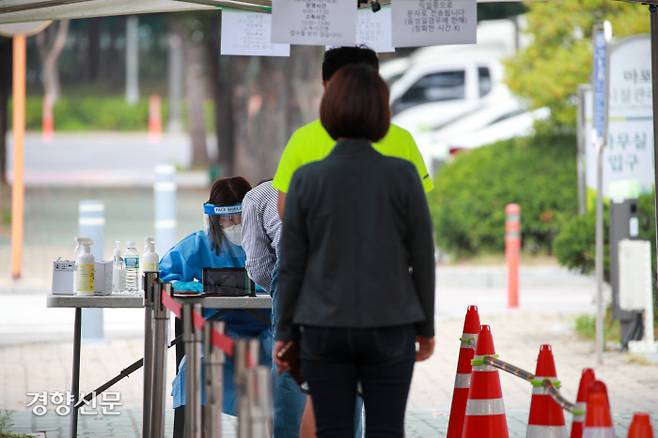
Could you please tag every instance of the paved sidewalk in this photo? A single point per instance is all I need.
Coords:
(550, 300)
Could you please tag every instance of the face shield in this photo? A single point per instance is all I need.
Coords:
(224, 219)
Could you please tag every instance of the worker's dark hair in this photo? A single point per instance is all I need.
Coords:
(225, 192)
(335, 59)
(355, 104)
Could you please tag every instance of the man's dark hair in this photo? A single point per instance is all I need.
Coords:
(335, 59)
(355, 104)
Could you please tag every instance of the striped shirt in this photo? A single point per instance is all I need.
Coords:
(261, 230)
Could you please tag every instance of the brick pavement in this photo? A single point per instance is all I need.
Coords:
(632, 385)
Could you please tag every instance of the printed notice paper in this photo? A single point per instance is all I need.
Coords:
(434, 22)
(373, 29)
(249, 33)
(314, 22)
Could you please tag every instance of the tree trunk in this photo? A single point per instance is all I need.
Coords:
(195, 90)
(51, 43)
(93, 48)
(223, 83)
(5, 90)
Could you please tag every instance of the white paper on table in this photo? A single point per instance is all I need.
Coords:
(434, 22)
(249, 33)
(314, 23)
(373, 29)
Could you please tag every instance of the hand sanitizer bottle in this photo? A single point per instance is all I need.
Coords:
(150, 259)
(118, 270)
(83, 280)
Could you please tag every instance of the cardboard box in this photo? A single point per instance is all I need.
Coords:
(63, 277)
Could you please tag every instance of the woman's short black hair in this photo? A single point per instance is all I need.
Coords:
(225, 192)
(355, 104)
(339, 57)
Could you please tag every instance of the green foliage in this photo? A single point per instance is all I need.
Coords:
(100, 113)
(468, 203)
(585, 326)
(559, 56)
(574, 246)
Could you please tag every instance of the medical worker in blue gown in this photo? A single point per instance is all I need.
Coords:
(218, 246)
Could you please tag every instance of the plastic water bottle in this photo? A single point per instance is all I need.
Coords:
(131, 260)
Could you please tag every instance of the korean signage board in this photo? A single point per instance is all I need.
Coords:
(628, 153)
(373, 29)
(248, 33)
(314, 22)
(433, 22)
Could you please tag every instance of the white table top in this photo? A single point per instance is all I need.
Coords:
(96, 301)
(137, 301)
(257, 302)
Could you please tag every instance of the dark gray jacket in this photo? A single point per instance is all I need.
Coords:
(356, 246)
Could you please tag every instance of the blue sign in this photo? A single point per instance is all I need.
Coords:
(600, 83)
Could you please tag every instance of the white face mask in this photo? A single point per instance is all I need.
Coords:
(234, 234)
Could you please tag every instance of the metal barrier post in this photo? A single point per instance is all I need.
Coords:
(241, 369)
(158, 384)
(192, 339)
(259, 390)
(147, 283)
(213, 362)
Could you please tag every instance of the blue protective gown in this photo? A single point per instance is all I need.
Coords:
(184, 264)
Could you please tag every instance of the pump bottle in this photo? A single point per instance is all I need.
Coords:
(83, 280)
(150, 259)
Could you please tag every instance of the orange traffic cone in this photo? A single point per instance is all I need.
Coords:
(463, 378)
(598, 421)
(640, 426)
(586, 379)
(546, 416)
(485, 410)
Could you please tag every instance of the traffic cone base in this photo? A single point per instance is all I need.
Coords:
(546, 432)
(598, 432)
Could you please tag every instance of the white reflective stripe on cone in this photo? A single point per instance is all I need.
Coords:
(599, 432)
(541, 390)
(580, 407)
(546, 432)
(469, 340)
(487, 406)
(463, 381)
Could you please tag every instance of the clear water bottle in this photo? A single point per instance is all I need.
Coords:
(118, 270)
(131, 261)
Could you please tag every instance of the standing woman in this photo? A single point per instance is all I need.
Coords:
(357, 266)
(218, 246)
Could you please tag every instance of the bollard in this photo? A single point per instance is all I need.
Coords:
(192, 339)
(155, 120)
(164, 198)
(213, 362)
(513, 252)
(91, 223)
(158, 383)
(48, 120)
(147, 282)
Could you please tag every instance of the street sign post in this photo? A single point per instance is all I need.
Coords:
(600, 86)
